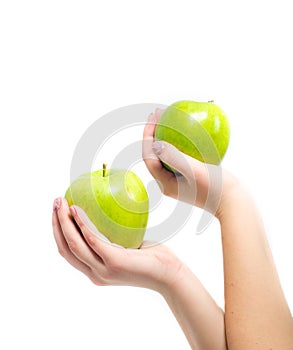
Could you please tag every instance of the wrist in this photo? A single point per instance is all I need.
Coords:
(174, 284)
(164, 270)
(234, 192)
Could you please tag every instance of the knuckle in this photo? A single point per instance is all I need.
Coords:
(105, 276)
(73, 246)
(167, 193)
(91, 240)
(96, 281)
(170, 190)
(114, 267)
(62, 217)
(169, 154)
(80, 223)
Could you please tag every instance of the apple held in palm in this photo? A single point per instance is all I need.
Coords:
(198, 129)
(116, 201)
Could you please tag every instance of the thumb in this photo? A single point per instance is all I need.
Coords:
(170, 155)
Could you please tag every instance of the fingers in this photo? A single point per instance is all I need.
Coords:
(98, 243)
(152, 120)
(75, 242)
(63, 246)
(177, 160)
(152, 162)
(148, 136)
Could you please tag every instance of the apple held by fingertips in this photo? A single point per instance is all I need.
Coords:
(116, 201)
(198, 129)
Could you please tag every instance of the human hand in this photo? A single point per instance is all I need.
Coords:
(80, 243)
(198, 183)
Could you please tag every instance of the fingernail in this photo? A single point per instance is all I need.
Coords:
(72, 211)
(158, 147)
(57, 204)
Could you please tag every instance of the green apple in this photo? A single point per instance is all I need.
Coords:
(199, 129)
(116, 201)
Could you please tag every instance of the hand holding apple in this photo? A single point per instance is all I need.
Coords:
(153, 267)
(116, 201)
(194, 186)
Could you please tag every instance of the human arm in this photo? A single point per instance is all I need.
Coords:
(155, 267)
(256, 312)
(200, 318)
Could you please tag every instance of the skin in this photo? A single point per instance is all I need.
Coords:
(256, 313)
(156, 268)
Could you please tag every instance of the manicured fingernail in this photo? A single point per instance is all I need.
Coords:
(57, 204)
(158, 147)
(73, 211)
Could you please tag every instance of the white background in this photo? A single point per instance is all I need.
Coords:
(63, 64)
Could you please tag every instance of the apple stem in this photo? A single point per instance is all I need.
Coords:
(104, 169)
(211, 101)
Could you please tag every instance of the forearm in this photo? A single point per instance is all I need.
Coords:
(256, 313)
(201, 320)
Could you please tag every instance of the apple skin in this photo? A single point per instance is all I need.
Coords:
(198, 129)
(116, 201)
